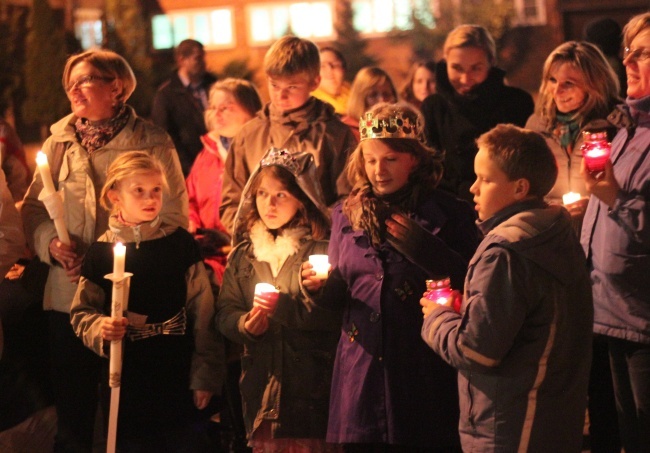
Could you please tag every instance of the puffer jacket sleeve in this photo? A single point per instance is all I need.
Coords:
(208, 360)
(493, 316)
(12, 240)
(235, 175)
(87, 315)
(175, 209)
(232, 306)
(39, 228)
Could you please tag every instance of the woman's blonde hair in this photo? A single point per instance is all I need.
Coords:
(635, 26)
(109, 64)
(427, 172)
(366, 79)
(126, 165)
(600, 82)
(243, 92)
(471, 36)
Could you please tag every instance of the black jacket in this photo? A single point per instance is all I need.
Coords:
(454, 122)
(175, 110)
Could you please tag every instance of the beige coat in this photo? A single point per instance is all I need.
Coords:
(80, 182)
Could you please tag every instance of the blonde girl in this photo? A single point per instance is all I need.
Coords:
(172, 357)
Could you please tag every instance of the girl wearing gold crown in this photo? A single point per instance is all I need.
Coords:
(392, 233)
(289, 345)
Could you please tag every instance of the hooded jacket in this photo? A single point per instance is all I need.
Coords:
(522, 343)
(617, 240)
(286, 371)
(313, 128)
(453, 122)
(80, 181)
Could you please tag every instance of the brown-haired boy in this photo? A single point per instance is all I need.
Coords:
(522, 342)
(293, 120)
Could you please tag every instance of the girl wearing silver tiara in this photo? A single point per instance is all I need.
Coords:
(289, 345)
(392, 233)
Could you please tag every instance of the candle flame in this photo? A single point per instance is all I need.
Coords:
(41, 158)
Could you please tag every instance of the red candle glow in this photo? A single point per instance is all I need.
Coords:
(595, 150)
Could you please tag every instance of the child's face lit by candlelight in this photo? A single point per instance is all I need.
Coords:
(387, 170)
(493, 190)
(138, 198)
(275, 204)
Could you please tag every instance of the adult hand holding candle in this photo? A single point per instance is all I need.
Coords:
(51, 198)
(266, 297)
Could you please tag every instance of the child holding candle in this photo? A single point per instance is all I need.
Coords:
(522, 342)
(171, 350)
(391, 234)
(288, 345)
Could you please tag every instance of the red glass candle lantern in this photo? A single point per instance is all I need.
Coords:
(440, 291)
(595, 150)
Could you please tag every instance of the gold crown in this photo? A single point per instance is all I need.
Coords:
(395, 126)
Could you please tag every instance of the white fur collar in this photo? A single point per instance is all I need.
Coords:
(275, 251)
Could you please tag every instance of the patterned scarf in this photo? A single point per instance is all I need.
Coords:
(94, 134)
(368, 212)
(567, 129)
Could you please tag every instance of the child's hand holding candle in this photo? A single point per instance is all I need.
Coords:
(266, 297)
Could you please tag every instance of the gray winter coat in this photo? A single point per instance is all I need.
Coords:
(522, 343)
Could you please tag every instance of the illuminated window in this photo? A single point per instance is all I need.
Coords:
(211, 27)
(88, 27)
(312, 20)
(381, 16)
(530, 12)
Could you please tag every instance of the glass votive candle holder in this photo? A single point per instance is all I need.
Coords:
(269, 294)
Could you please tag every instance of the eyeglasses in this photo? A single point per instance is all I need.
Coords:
(86, 81)
(640, 54)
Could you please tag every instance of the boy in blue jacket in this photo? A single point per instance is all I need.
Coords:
(522, 341)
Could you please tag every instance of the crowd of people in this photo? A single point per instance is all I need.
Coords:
(455, 179)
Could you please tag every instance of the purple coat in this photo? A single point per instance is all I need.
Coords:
(388, 386)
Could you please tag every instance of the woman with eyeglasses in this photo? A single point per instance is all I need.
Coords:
(616, 240)
(81, 148)
(333, 87)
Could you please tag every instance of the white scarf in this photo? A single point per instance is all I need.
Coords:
(275, 251)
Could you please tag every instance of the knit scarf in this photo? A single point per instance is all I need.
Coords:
(94, 134)
(368, 212)
(566, 129)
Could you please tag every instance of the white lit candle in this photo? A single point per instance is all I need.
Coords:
(320, 265)
(269, 296)
(119, 255)
(52, 201)
(570, 197)
(44, 169)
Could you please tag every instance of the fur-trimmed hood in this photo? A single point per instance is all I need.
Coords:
(275, 251)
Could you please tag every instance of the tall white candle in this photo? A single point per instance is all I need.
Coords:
(55, 205)
(119, 255)
(44, 169)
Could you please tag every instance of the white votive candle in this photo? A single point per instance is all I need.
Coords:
(570, 197)
(320, 264)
